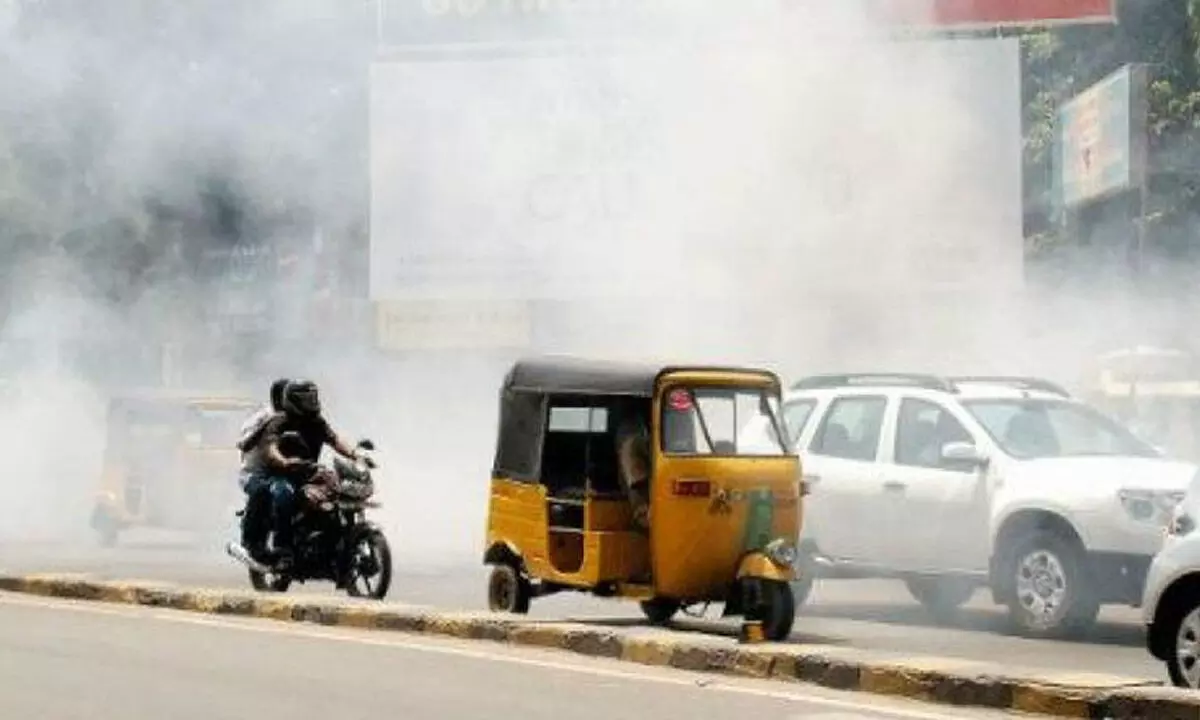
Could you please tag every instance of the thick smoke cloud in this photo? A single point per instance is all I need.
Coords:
(787, 190)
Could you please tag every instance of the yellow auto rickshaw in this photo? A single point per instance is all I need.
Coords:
(724, 512)
(170, 462)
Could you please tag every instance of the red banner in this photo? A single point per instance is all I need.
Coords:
(996, 13)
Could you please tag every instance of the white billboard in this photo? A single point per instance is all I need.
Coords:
(672, 172)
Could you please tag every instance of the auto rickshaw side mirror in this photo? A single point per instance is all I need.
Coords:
(366, 444)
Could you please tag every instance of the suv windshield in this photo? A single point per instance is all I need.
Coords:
(1028, 429)
(706, 421)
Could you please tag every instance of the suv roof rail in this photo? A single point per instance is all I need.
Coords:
(834, 380)
(1019, 382)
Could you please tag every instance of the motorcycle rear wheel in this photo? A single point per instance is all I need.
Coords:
(263, 582)
(377, 549)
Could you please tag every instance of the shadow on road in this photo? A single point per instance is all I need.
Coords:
(686, 626)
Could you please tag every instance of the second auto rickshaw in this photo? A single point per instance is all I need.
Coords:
(723, 514)
(1156, 392)
(170, 461)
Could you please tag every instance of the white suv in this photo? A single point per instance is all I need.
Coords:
(950, 484)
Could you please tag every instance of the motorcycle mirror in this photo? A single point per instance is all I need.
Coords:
(366, 444)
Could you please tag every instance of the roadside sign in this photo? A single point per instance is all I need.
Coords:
(452, 325)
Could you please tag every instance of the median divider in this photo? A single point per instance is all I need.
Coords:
(937, 680)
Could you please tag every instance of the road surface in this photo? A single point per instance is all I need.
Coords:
(61, 660)
(871, 615)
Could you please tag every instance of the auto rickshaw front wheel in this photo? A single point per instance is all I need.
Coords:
(509, 590)
(778, 609)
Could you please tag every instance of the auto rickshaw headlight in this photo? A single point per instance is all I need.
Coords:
(781, 552)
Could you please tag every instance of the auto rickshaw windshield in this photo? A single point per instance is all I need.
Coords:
(709, 420)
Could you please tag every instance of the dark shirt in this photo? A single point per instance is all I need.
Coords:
(315, 432)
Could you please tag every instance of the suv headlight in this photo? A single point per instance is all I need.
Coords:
(1150, 506)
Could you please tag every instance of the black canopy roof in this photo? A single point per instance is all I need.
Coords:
(566, 374)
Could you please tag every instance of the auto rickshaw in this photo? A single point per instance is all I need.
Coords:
(1156, 391)
(170, 462)
(722, 519)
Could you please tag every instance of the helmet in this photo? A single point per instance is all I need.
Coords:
(277, 388)
(301, 399)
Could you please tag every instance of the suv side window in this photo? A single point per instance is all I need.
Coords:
(795, 416)
(922, 428)
(851, 428)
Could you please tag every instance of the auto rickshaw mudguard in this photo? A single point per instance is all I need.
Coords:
(757, 564)
(503, 552)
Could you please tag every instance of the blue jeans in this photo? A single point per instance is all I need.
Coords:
(256, 519)
(283, 507)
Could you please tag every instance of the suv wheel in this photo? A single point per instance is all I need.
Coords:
(1046, 585)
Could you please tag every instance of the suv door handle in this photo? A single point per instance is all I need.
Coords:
(894, 486)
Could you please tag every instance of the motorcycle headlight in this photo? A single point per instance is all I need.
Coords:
(1150, 505)
(781, 552)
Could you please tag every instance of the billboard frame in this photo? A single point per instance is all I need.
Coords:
(1134, 145)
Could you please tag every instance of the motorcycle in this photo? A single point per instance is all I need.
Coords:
(333, 540)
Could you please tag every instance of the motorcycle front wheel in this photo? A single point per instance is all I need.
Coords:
(370, 566)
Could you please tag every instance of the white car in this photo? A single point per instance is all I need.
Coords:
(1171, 603)
(950, 484)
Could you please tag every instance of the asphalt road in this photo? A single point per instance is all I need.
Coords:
(870, 615)
(61, 660)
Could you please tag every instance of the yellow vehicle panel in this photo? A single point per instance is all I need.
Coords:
(700, 541)
(604, 551)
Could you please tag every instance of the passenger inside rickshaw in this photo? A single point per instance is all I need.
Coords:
(580, 455)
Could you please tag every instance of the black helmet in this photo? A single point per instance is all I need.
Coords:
(300, 399)
(277, 388)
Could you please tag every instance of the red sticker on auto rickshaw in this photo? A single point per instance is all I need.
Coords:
(680, 400)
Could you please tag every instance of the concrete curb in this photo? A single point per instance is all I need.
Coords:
(936, 680)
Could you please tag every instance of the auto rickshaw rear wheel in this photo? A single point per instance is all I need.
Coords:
(509, 590)
(778, 609)
(659, 611)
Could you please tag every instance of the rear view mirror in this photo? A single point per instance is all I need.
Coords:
(963, 453)
(366, 444)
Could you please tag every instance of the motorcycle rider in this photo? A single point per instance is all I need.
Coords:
(302, 416)
(253, 477)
